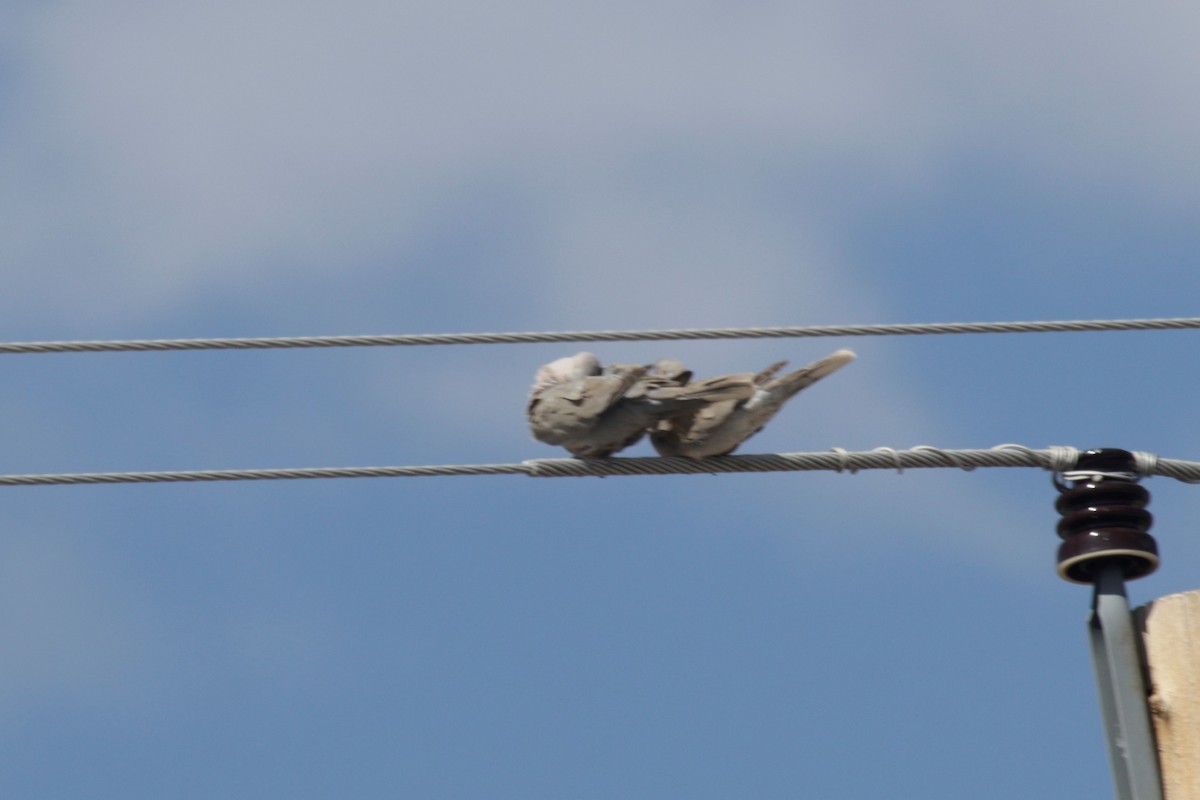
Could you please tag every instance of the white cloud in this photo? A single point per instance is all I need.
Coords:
(159, 151)
(173, 147)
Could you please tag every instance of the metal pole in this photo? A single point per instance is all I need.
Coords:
(1122, 688)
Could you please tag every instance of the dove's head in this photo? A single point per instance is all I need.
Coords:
(571, 368)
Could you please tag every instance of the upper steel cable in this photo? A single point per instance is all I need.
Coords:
(599, 336)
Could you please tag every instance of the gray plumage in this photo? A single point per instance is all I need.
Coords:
(717, 428)
(595, 412)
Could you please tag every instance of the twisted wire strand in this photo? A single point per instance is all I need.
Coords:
(1054, 459)
(260, 474)
(262, 343)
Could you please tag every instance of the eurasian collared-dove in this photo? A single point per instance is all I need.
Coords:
(717, 428)
(596, 412)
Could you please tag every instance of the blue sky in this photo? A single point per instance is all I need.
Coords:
(270, 169)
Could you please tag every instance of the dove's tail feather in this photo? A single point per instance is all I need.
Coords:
(793, 382)
(769, 373)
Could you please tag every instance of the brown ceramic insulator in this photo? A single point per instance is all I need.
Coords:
(1104, 519)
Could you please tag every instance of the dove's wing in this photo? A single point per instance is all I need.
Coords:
(572, 409)
(712, 390)
(718, 428)
(688, 432)
(599, 393)
(680, 432)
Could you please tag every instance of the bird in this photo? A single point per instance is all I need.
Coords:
(718, 428)
(594, 412)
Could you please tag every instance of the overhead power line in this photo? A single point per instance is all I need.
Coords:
(407, 340)
(1054, 459)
